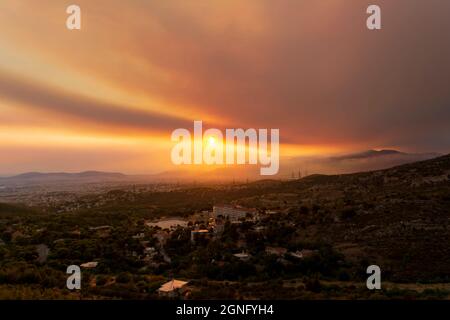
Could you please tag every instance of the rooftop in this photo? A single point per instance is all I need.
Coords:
(91, 264)
(172, 285)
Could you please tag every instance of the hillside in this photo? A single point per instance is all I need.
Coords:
(398, 218)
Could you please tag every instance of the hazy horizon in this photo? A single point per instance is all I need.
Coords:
(338, 163)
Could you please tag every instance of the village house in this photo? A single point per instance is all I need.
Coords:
(172, 289)
(101, 231)
(149, 254)
(99, 228)
(195, 234)
(303, 253)
(242, 256)
(278, 251)
(260, 228)
(218, 227)
(89, 265)
(139, 236)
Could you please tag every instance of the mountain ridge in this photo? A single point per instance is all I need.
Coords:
(59, 176)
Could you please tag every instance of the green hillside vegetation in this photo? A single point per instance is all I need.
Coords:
(396, 218)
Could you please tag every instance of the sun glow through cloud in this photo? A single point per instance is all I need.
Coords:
(245, 64)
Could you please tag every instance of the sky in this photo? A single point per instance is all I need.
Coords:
(108, 97)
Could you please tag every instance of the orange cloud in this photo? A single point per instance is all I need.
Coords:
(139, 69)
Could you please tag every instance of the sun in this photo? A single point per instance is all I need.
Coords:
(212, 141)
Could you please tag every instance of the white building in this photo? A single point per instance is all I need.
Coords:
(231, 212)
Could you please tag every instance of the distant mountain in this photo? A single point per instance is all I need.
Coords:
(356, 162)
(53, 177)
(369, 154)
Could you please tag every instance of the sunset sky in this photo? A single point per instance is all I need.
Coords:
(108, 97)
